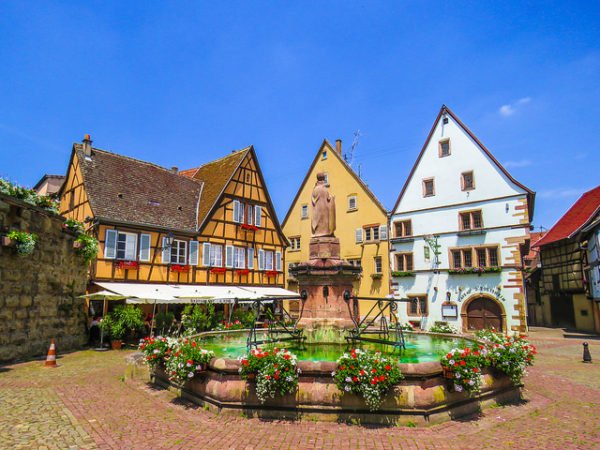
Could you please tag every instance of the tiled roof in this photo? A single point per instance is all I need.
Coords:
(576, 217)
(124, 189)
(533, 255)
(215, 175)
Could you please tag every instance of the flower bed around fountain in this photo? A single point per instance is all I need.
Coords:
(425, 395)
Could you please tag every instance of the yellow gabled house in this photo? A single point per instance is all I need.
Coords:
(361, 223)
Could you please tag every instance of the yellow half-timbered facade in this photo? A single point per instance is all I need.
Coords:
(214, 224)
(361, 224)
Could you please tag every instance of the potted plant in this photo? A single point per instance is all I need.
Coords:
(123, 321)
(24, 241)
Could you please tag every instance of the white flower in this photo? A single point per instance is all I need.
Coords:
(190, 374)
(289, 378)
(451, 362)
(471, 382)
(180, 365)
(156, 351)
(347, 388)
(348, 380)
(188, 365)
(299, 371)
(458, 388)
(240, 370)
(457, 375)
(333, 374)
(199, 367)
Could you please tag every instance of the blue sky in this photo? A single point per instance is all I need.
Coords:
(181, 83)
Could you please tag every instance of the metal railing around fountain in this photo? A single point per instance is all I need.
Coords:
(362, 328)
(278, 329)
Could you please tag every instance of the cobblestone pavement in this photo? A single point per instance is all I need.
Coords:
(88, 402)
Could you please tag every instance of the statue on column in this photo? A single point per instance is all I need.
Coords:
(323, 209)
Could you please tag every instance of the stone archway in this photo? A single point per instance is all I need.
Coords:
(481, 311)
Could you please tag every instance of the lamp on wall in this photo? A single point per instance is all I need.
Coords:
(170, 239)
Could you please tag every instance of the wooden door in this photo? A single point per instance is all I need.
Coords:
(563, 313)
(484, 313)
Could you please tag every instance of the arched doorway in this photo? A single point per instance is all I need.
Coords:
(483, 312)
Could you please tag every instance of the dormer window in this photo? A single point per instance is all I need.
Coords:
(444, 147)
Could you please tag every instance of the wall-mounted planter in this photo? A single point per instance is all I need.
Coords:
(400, 274)
(77, 244)
(7, 242)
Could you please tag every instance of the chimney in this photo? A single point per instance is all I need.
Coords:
(175, 169)
(338, 146)
(87, 146)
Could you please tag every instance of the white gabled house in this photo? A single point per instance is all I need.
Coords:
(457, 232)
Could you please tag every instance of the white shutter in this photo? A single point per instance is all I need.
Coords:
(130, 247)
(278, 261)
(144, 247)
(228, 256)
(241, 212)
(250, 257)
(258, 216)
(236, 210)
(110, 244)
(194, 253)
(250, 215)
(206, 254)
(166, 251)
(383, 232)
(261, 260)
(359, 235)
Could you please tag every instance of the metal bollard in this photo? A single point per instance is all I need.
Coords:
(587, 357)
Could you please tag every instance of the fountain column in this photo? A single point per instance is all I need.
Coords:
(325, 276)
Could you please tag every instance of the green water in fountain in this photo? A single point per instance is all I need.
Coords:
(325, 345)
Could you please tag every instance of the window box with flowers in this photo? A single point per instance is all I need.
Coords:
(246, 226)
(271, 273)
(242, 272)
(474, 270)
(401, 274)
(218, 270)
(180, 268)
(377, 276)
(127, 265)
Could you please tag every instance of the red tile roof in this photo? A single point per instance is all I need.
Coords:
(576, 217)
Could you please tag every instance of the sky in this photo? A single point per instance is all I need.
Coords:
(180, 83)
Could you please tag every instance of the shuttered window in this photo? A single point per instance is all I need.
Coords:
(228, 256)
(239, 258)
(194, 253)
(127, 246)
(358, 235)
(383, 232)
(278, 261)
(258, 216)
(166, 251)
(261, 260)
(250, 258)
(206, 254)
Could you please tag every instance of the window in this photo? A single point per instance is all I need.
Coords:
(355, 262)
(239, 257)
(326, 178)
(268, 259)
(325, 154)
(295, 243)
(212, 255)
(471, 220)
(426, 253)
(417, 305)
(404, 262)
(378, 266)
(261, 259)
(249, 214)
(178, 252)
(372, 233)
(120, 245)
(403, 228)
(278, 261)
(352, 203)
(467, 181)
(428, 188)
(144, 247)
(474, 257)
(444, 147)
(304, 213)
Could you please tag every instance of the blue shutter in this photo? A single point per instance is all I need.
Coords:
(110, 244)
(261, 260)
(194, 253)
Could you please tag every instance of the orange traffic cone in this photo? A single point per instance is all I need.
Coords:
(51, 358)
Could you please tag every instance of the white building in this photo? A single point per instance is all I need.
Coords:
(460, 212)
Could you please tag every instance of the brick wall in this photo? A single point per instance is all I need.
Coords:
(38, 292)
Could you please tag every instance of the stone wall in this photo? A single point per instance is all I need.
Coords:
(38, 293)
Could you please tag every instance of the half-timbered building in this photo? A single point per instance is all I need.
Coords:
(211, 225)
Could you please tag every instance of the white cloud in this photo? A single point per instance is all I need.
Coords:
(561, 193)
(511, 108)
(520, 163)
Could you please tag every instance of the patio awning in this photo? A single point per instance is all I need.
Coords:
(141, 293)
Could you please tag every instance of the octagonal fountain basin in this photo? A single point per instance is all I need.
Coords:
(423, 396)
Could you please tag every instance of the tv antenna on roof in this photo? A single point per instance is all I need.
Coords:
(349, 156)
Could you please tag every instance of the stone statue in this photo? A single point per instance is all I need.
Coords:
(323, 209)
